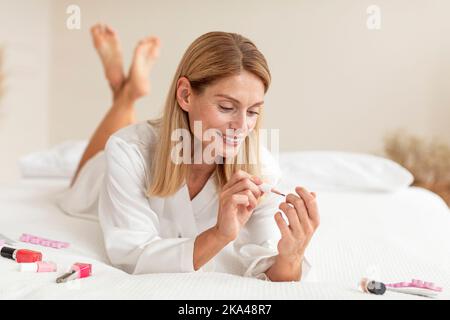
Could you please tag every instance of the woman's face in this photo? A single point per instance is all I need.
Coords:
(229, 108)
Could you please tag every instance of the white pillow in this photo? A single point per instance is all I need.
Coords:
(59, 162)
(342, 171)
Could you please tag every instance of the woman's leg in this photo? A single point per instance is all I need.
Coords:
(109, 49)
(125, 91)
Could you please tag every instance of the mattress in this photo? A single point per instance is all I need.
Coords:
(393, 237)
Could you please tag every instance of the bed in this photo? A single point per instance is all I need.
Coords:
(391, 236)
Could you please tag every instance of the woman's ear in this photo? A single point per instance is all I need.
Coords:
(184, 92)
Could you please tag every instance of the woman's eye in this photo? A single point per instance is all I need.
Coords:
(253, 113)
(225, 109)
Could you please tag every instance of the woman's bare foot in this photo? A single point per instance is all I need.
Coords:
(145, 55)
(107, 44)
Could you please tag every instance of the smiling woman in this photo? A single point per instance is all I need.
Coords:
(215, 67)
(159, 215)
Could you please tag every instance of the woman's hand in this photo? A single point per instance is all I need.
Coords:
(238, 199)
(303, 215)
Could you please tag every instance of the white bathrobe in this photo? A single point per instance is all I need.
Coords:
(156, 235)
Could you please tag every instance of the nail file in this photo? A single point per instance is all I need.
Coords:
(43, 242)
(417, 287)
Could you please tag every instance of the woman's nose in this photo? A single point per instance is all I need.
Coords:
(240, 122)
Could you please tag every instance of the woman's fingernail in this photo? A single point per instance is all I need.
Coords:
(257, 180)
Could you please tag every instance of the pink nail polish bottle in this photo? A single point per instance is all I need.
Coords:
(38, 267)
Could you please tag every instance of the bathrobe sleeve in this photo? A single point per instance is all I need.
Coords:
(256, 245)
(131, 229)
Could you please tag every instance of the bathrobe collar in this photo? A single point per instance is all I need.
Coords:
(186, 210)
(204, 197)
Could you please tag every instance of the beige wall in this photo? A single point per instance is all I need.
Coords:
(24, 111)
(336, 84)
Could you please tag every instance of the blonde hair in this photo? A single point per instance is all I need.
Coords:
(210, 58)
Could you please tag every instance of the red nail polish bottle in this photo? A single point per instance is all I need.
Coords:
(21, 255)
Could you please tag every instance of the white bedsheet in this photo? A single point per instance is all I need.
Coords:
(392, 236)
